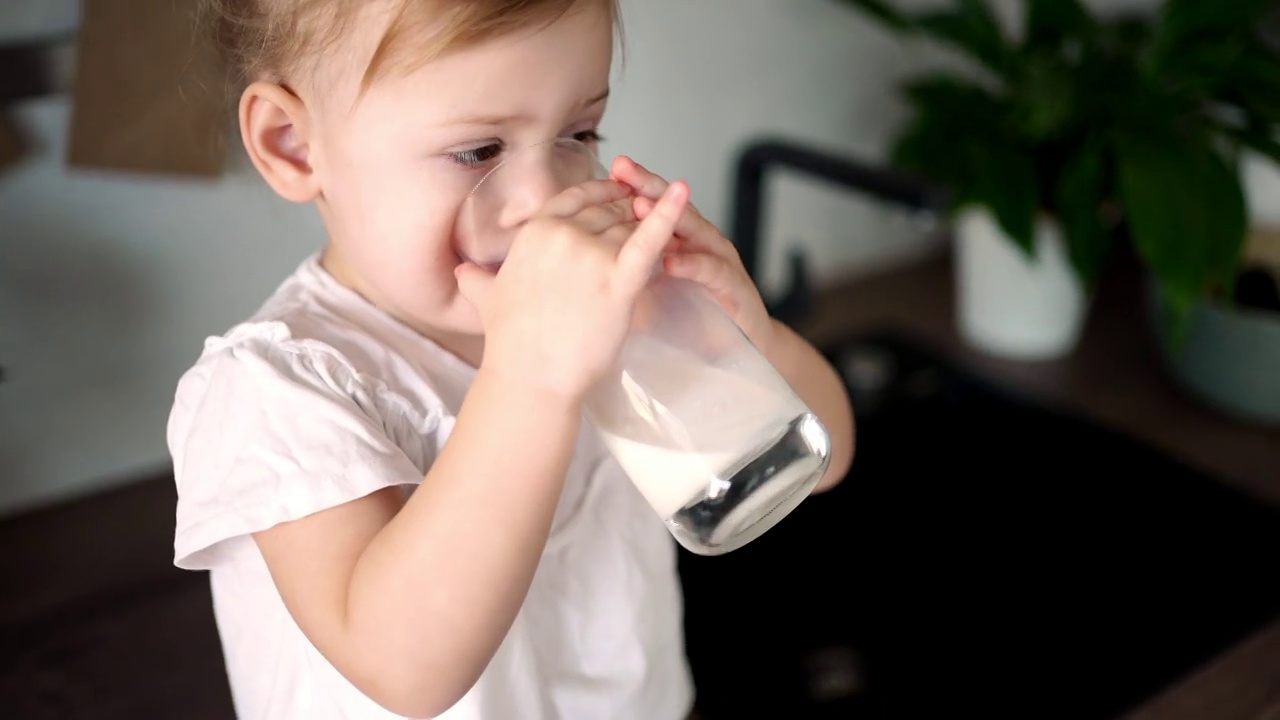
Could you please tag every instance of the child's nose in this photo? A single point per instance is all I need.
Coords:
(537, 183)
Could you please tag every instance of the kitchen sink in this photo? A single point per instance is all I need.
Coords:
(984, 554)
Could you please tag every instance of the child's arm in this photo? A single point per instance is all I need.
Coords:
(410, 600)
(820, 387)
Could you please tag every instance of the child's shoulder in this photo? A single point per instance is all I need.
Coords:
(309, 317)
(297, 336)
(307, 403)
(313, 331)
(316, 362)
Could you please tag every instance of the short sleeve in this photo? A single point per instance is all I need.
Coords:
(267, 429)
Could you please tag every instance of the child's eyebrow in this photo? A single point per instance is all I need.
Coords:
(505, 119)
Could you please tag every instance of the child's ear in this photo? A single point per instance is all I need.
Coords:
(275, 127)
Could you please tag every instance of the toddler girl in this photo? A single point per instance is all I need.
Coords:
(385, 468)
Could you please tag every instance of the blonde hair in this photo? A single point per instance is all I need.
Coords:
(274, 39)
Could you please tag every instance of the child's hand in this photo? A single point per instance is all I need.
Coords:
(702, 254)
(556, 313)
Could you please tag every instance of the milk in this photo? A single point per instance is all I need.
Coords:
(678, 425)
(668, 478)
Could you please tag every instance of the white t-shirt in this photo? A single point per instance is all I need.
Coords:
(320, 399)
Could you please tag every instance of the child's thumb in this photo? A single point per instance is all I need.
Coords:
(474, 283)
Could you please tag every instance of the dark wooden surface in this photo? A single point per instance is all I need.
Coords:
(96, 623)
(1113, 378)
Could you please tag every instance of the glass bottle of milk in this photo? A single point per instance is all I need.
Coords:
(709, 432)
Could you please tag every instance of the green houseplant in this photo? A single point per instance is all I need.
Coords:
(1129, 126)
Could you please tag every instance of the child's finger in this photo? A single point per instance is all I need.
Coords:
(692, 227)
(599, 218)
(574, 199)
(632, 173)
(474, 283)
(706, 269)
(644, 248)
(620, 233)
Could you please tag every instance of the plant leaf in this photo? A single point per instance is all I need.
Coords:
(927, 148)
(959, 137)
(1052, 21)
(1005, 180)
(1045, 96)
(1081, 192)
(1183, 22)
(1185, 207)
(972, 28)
(954, 124)
(966, 106)
(1254, 80)
(1264, 143)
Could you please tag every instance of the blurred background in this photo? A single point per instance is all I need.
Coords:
(1040, 238)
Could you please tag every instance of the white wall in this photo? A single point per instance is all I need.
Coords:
(109, 283)
(107, 287)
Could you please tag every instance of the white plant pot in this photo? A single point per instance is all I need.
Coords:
(1011, 305)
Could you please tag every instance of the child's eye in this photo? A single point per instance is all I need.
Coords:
(588, 137)
(476, 156)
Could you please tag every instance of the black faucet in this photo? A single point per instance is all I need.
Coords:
(748, 207)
